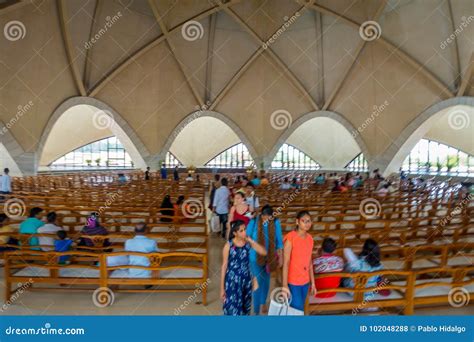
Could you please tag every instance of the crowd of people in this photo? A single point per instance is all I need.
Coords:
(255, 247)
(254, 244)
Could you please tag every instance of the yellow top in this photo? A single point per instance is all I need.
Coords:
(4, 238)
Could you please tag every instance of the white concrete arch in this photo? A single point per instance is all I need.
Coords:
(13, 156)
(353, 142)
(220, 121)
(102, 117)
(459, 108)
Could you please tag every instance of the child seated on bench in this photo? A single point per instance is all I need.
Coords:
(327, 262)
(62, 244)
(367, 261)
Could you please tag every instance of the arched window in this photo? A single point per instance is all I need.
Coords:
(430, 156)
(171, 161)
(236, 156)
(359, 163)
(106, 153)
(289, 157)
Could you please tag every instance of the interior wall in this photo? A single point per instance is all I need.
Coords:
(455, 128)
(73, 129)
(326, 141)
(201, 140)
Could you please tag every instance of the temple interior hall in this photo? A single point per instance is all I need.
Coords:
(143, 141)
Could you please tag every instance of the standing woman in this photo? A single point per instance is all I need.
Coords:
(239, 211)
(267, 232)
(236, 279)
(298, 273)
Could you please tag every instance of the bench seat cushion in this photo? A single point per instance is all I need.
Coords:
(342, 297)
(439, 290)
(65, 272)
(165, 274)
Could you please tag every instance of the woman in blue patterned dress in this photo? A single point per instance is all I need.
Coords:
(236, 279)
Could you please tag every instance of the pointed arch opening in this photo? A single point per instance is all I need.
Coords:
(206, 138)
(289, 157)
(235, 157)
(81, 121)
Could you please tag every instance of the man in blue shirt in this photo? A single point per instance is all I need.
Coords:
(140, 243)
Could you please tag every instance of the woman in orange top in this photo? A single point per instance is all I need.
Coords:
(297, 266)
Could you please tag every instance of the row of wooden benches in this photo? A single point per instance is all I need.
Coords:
(188, 272)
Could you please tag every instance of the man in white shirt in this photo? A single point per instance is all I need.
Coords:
(220, 205)
(140, 243)
(250, 198)
(47, 243)
(6, 182)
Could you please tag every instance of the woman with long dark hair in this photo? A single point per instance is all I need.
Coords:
(368, 260)
(167, 209)
(266, 230)
(236, 280)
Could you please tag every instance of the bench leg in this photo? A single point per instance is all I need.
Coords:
(204, 296)
(8, 291)
(408, 310)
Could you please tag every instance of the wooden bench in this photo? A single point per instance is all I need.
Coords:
(170, 272)
(408, 290)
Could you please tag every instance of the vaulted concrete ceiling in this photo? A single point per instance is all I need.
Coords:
(154, 61)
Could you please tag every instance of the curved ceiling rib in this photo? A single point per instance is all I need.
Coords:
(403, 55)
(68, 47)
(346, 73)
(152, 44)
(171, 47)
(293, 79)
(466, 77)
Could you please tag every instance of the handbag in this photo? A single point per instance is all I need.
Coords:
(283, 309)
(214, 223)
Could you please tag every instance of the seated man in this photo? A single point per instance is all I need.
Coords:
(140, 243)
(327, 263)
